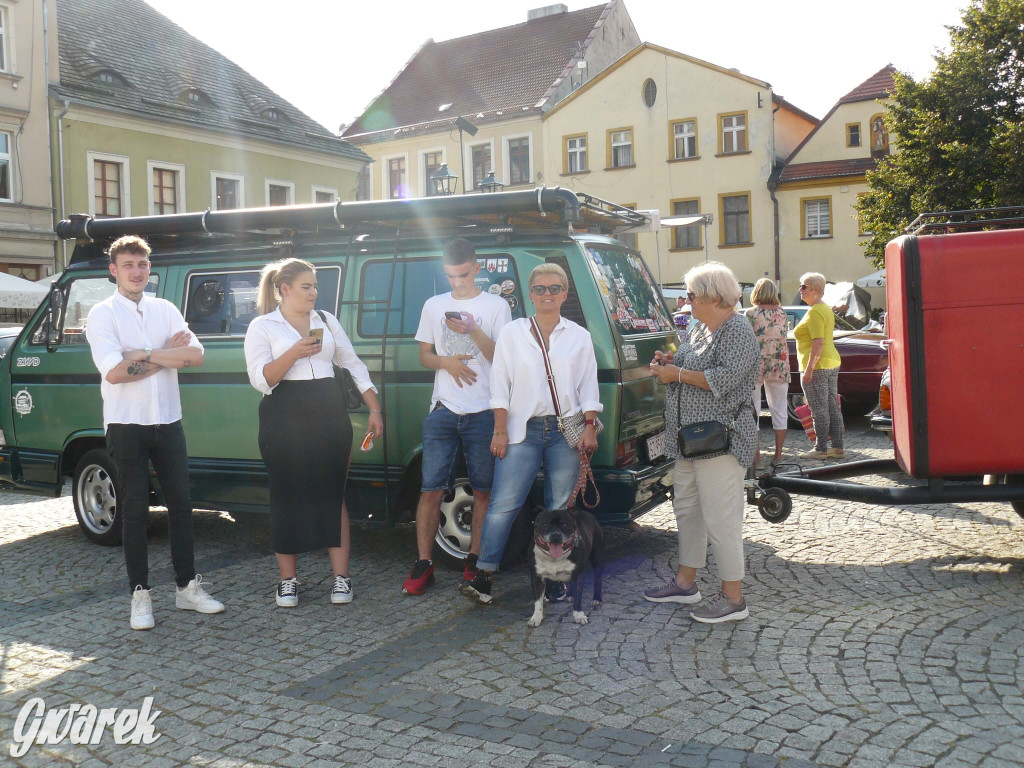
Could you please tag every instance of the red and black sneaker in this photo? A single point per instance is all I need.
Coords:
(421, 577)
(469, 569)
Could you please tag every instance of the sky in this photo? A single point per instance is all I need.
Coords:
(331, 58)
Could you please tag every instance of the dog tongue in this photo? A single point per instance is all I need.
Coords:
(555, 550)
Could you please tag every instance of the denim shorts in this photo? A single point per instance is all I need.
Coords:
(442, 432)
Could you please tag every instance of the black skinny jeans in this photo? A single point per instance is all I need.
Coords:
(132, 447)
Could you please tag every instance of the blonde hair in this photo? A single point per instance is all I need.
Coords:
(714, 281)
(815, 280)
(276, 274)
(549, 269)
(765, 292)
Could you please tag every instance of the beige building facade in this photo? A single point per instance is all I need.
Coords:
(26, 209)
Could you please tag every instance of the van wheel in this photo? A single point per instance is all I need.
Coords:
(95, 491)
(454, 533)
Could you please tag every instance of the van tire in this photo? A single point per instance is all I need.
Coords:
(95, 488)
(454, 531)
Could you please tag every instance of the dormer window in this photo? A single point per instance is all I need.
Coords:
(272, 114)
(108, 77)
(195, 97)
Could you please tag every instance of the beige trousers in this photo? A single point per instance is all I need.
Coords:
(708, 504)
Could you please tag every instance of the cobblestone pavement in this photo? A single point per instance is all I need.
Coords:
(878, 636)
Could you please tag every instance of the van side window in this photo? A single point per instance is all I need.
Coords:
(630, 294)
(416, 280)
(80, 296)
(224, 303)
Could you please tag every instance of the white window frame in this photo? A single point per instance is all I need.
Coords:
(816, 217)
(615, 144)
(126, 186)
(329, 190)
(468, 151)
(730, 133)
(6, 39)
(385, 173)
(421, 168)
(578, 151)
(179, 186)
(9, 157)
(290, 185)
(677, 134)
(214, 175)
(507, 176)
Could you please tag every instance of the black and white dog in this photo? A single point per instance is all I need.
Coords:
(564, 541)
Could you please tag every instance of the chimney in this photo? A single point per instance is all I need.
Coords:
(548, 10)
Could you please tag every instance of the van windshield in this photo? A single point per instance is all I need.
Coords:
(628, 290)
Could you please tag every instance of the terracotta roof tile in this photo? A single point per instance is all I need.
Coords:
(878, 86)
(501, 69)
(826, 169)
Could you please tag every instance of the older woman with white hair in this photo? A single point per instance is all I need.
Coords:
(819, 365)
(710, 379)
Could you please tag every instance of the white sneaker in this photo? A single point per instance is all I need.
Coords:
(142, 609)
(194, 598)
(342, 591)
(288, 593)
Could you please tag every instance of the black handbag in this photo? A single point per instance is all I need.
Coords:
(350, 392)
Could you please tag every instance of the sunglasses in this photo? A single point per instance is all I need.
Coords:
(540, 290)
(690, 296)
(804, 287)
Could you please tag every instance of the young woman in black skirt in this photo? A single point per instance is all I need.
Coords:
(305, 432)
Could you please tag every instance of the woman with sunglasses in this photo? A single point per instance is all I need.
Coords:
(526, 435)
(819, 364)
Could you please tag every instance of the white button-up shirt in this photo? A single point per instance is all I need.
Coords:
(270, 336)
(519, 382)
(117, 324)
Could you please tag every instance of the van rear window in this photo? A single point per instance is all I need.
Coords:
(628, 290)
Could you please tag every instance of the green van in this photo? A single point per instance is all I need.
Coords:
(377, 262)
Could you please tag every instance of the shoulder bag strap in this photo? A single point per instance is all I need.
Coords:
(535, 330)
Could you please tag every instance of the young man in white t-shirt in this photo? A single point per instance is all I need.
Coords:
(457, 332)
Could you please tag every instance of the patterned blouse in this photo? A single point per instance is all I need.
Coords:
(728, 358)
(770, 326)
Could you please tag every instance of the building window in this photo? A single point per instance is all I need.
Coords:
(396, 178)
(853, 134)
(519, 160)
(165, 191)
(228, 191)
(325, 195)
(4, 42)
(735, 215)
(5, 166)
(650, 92)
(620, 148)
(734, 133)
(280, 192)
(272, 114)
(575, 154)
(481, 159)
(818, 218)
(107, 196)
(688, 236)
(431, 163)
(684, 139)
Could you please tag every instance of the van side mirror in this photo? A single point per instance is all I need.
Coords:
(55, 303)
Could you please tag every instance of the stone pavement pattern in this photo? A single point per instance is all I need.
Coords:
(878, 636)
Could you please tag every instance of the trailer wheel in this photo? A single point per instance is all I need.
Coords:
(775, 505)
(95, 491)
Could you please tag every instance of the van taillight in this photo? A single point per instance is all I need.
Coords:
(625, 453)
(884, 398)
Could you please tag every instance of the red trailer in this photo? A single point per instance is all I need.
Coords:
(955, 294)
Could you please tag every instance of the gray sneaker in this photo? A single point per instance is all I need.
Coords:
(720, 608)
(673, 593)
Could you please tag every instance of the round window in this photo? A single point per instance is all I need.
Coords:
(650, 92)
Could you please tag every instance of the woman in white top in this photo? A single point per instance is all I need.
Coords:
(305, 432)
(526, 434)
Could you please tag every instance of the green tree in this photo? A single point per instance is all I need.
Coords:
(958, 135)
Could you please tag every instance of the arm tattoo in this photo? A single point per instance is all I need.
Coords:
(187, 364)
(137, 368)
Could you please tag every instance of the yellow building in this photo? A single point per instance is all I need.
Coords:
(819, 230)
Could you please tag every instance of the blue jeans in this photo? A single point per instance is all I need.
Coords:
(543, 446)
(443, 430)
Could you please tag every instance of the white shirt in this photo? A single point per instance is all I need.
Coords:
(489, 312)
(117, 324)
(519, 382)
(270, 336)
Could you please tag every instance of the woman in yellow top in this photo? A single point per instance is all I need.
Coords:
(819, 363)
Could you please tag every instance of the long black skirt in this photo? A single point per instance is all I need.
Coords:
(306, 441)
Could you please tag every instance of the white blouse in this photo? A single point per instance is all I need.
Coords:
(519, 383)
(270, 336)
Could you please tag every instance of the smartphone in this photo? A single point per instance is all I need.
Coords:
(453, 315)
(367, 443)
(318, 334)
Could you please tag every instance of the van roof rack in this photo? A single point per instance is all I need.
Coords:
(945, 222)
(543, 209)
